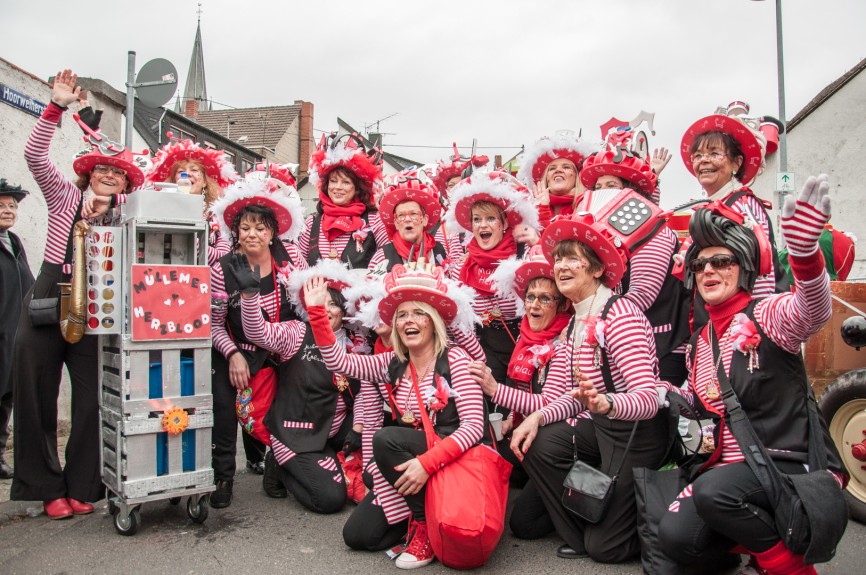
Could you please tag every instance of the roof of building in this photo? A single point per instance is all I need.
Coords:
(196, 87)
(826, 94)
(263, 127)
(399, 163)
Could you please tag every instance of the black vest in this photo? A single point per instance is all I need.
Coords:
(257, 358)
(393, 258)
(447, 420)
(356, 259)
(774, 397)
(306, 399)
(670, 307)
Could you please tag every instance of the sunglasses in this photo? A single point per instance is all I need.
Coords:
(719, 262)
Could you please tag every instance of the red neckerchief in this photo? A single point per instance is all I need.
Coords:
(403, 247)
(480, 263)
(338, 220)
(523, 361)
(722, 314)
(564, 203)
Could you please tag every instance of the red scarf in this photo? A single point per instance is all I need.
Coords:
(523, 359)
(338, 220)
(480, 263)
(722, 314)
(403, 247)
(565, 204)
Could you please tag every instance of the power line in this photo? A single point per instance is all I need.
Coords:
(451, 147)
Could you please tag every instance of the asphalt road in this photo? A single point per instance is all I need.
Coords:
(257, 534)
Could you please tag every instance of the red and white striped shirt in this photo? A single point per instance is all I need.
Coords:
(648, 268)
(487, 306)
(380, 234)
(520, 398)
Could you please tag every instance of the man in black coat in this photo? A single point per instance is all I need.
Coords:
(15, 281)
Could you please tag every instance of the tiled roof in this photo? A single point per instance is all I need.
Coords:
(826, 94)
(263, 127)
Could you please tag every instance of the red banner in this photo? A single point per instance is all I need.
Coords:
(170, 302)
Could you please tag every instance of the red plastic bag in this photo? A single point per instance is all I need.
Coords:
(353, 472)
(465, 507)
(253, 403)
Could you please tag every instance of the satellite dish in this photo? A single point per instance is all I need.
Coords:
(156, 82)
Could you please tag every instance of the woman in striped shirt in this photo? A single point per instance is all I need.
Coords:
(609, 349)
(257, 222)
(422, 372)
(726, 509)
(105, 174)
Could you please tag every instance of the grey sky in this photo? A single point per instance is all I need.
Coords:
(503, 71)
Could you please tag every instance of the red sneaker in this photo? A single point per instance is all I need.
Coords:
(57, 508)
(419, 552)
(79, 507)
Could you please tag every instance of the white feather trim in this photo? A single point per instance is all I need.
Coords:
(243, 189)
(517, 201)
(330, 270)
(463, 296)
(503, 280)
(547, 146)
(359, 295)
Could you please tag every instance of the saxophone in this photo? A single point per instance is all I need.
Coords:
(72, 295)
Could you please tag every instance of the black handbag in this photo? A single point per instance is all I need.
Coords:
(44, 311)
(655, 490)
(809, 509)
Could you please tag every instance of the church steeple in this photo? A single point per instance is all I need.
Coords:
(196, 87)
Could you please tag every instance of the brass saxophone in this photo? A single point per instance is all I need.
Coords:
(73, 317)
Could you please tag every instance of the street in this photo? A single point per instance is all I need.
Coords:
(257, 534)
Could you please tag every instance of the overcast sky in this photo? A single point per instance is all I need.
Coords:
(504, 72)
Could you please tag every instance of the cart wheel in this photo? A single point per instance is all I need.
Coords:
(112, 507)
(197, 510)
(843, 404)
(127, 525)
(174, 500)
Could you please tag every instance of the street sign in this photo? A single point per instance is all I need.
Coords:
(784, 181)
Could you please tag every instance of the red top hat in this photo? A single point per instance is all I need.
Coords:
(621, 227)
(280, 172)
(618, 160)
(500, 188)
(214, 161)
(454, 166)
(565, 144)
(287, 209)
(409, 187)
(346, 151)
(109, 153)
(534, 266)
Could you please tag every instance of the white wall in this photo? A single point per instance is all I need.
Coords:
(832, 140)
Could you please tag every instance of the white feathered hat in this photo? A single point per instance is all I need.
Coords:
(498, 187)
(287, 208)
(336, 274)
(564, 144)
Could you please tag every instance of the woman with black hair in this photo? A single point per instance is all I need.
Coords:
(256, 222)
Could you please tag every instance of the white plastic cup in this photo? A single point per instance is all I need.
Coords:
(496, 422)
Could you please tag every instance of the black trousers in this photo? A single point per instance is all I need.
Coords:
(316, 478)
(529, 517)
(6, 402)
(367, 528)
(225, 420)
(728, 506)
(395, 445)
(600, 442)
(40, 354)
(498, 347)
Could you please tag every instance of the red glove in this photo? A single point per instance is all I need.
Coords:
(321, 326)
(440, 455)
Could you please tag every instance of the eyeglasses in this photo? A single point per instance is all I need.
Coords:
(409, 217)
(543, 300)
(103, 169)
(714, 157)
(718, 262)
(417, 315)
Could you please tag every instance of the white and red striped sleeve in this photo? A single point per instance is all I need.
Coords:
(525, 402)
(377, 226)
(284, 337)
(373, 368)
(303, 241)
(789, 319)
(648, 268)
(299, 262)
(560, 375)
(222, 341)
(62, 197)
(377, 258)
(469, 400)
(469, 342)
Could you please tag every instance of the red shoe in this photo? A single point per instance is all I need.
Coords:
(419, 552)
(79, 507)
(57, 508)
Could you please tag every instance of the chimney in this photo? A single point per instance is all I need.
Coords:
(190, 109)
(306, 142)
(497, 160)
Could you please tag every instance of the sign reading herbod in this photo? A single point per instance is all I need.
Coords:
(170, 302)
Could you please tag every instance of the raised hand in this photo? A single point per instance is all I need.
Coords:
(541, 193)
(803, 220)
(315, 292)
(660, 159)
(588, 395)
(248, 280)
(64, 91)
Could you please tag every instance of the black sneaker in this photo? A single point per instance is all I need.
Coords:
(222, 497)
(258, 467)
(271, 478)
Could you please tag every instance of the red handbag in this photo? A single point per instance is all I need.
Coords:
(253, 403)
(465, 503)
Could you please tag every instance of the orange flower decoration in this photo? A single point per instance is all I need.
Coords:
(175, 420)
